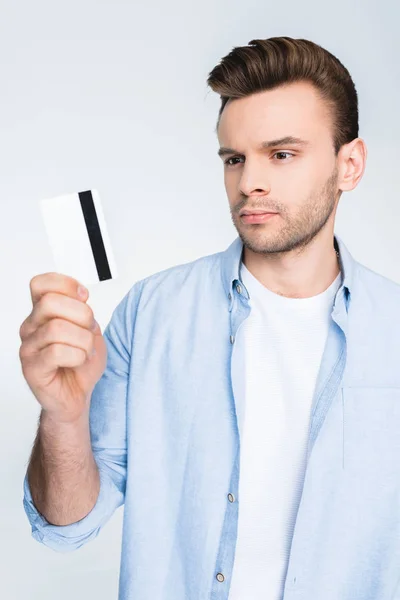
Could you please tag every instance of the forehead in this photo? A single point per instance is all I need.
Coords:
(295, 109)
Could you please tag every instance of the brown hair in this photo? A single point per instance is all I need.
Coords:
(267, 64)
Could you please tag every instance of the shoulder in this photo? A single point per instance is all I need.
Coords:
(181, 280)
(192, 273)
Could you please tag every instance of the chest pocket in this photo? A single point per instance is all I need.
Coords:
(371, 432)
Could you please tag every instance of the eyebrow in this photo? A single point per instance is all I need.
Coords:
(284, 141)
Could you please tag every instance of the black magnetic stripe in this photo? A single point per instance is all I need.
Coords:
(95, 237)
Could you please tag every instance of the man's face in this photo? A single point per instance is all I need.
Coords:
(297, 181)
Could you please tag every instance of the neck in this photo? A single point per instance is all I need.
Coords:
(298, 273)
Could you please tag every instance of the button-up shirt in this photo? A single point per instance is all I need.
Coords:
(165, 438)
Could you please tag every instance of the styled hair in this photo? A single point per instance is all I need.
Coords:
(267, 64)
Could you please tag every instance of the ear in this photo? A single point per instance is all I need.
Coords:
(352, 161)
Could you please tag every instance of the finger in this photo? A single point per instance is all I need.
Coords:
(58, 332)
(60, 355)
(55, 282)
(53, 306)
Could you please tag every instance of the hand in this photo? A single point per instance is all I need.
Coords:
(57, 342)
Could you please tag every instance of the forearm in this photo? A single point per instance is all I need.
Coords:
(62, 473)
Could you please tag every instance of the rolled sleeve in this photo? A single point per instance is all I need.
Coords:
(65, 538)
(108, 437)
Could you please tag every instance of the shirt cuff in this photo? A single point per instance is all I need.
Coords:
(65, 538)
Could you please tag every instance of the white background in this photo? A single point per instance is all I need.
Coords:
(112, 95)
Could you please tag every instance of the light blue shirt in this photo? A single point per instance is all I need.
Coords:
(165, 437)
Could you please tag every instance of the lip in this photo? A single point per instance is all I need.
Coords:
(257, 217)
(256, 211)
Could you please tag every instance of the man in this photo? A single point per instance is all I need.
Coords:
(247, 414)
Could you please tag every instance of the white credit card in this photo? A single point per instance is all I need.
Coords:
(78, 236)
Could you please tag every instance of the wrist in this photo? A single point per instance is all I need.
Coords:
(56, 420)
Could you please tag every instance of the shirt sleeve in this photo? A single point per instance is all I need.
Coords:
(108, 436)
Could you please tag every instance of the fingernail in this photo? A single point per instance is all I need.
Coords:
(82, 291)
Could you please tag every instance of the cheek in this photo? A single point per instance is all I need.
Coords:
(231, 177)
(232, 184)
(293, 183)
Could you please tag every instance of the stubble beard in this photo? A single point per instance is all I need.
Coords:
(295, 232)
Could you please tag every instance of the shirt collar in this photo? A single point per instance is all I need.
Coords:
(232, 256)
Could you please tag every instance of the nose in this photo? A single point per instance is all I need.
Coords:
(254, 180)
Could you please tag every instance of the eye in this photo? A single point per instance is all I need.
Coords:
(239, 158)
(231, 158)
(287, 153)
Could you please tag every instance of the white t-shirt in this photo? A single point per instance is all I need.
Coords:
(275, 362)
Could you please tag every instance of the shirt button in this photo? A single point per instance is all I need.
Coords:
(239, 288)
(230, 296)
(220, 577)
(231, 498)
(232, 338)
